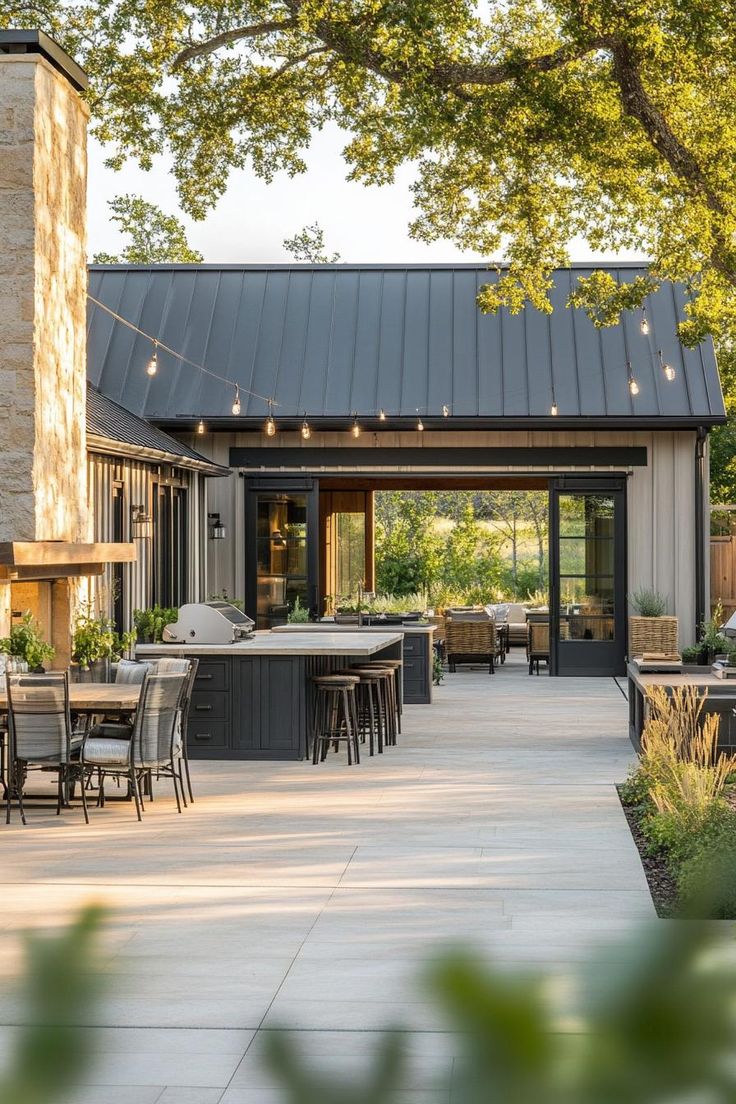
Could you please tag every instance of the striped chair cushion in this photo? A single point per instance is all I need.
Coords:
(104, 751)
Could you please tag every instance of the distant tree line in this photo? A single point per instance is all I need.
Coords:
(468, 558)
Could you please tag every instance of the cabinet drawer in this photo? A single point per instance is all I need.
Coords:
(415, 669)
(209, 704)
(212, 676)
(204, 734)
(415, 645)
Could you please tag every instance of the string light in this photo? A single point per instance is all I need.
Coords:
(633, 385)
(152, 366)
(667, 369)
(270, 426)
(236, 403)
(420, 423)
(306, 429)
(355, 428)
(200, 427)
(553, 409)
(382, 415)
(158, 344)
(445, 410)
(644, 324)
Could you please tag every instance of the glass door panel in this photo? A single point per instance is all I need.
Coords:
(588, 580)
(279, 566)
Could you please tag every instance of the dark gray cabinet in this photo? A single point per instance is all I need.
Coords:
(417, 668)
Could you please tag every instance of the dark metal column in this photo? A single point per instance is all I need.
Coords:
(700, 483)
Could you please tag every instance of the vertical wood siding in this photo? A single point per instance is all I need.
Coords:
(137, 479)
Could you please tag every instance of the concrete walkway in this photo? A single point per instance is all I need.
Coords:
(312, 897)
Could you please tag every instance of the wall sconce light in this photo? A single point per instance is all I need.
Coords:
(141, 523)
(217, 530)
(277, 539)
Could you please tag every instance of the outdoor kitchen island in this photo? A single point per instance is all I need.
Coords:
(252, 698)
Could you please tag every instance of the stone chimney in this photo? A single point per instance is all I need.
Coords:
(43, 281)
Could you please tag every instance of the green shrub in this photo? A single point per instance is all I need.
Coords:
(649, 603)
(298, 614)
(706, 876)
(149, 623)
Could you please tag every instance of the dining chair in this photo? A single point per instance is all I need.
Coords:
(154, 744)
(173, 665)
(41, 737)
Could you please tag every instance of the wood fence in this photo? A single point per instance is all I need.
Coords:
(723, 572)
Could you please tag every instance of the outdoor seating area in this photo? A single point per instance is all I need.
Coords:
(50, 725)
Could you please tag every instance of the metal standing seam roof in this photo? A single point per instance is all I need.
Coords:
(332, 340)
(112, 422)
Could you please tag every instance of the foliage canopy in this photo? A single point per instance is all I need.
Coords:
(530, 124)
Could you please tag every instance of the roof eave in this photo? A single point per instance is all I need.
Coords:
(293, 422)
(108, 446)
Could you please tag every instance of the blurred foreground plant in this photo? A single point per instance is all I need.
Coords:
(52, 1052)
(653, 1024)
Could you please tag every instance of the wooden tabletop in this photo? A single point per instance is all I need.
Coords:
(97, 697)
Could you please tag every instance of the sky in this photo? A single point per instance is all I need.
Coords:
(249, 224)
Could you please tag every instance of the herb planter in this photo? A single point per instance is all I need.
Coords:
(652, 634)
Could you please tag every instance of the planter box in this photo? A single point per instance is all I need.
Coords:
(652, 634)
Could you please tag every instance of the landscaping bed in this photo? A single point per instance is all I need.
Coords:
(662, 884)
(680, 804)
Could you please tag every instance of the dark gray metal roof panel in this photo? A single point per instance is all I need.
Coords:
(106, 418)
(328, 340)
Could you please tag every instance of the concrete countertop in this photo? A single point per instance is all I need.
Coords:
(268, 643)
(331, 627)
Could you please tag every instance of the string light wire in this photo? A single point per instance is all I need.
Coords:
(158, 344)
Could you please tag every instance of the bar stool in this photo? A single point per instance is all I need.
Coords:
(373, 711)
(392, 693)
(397, 665)
(335, 716)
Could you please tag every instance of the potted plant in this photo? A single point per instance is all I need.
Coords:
(712, 640)
(651, 629)
(149, 623)
(298, 614)
(95, 644)
(27, 644)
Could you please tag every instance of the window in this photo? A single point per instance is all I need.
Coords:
(169, 545)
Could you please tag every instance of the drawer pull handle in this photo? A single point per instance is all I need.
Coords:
(204, 678)
(203, 708)
(202, 735)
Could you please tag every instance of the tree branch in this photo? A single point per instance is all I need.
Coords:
(638, 105)
(236, 34)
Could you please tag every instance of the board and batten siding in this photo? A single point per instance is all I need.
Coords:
(660, 497)
(137, 479)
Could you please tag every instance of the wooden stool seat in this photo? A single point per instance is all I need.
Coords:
(335, 680)
(335, 718)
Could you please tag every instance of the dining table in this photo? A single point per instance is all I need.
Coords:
(95, 697)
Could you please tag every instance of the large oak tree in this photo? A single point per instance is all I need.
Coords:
(530, 123)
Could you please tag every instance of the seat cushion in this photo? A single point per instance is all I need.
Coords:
(106, 751)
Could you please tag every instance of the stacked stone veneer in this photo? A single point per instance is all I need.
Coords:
(43, 179)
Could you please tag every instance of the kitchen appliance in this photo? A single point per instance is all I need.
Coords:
(209, 623)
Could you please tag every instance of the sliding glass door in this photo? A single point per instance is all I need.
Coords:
(587, 577)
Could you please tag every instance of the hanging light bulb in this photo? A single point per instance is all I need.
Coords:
(270, 426)
(445, 410)
(633, 385)
(667, 369)
(355, 428)
(553, 409)
(644, 324)
(306, 429)
(152, 366)
(420, 423)
(382, 415)
(200, 427)
(236, 403)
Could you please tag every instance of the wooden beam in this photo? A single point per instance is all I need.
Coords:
(60, 553)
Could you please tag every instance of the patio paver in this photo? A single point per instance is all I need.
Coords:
(312, 897)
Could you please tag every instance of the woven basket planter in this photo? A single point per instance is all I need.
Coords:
(652, 634)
